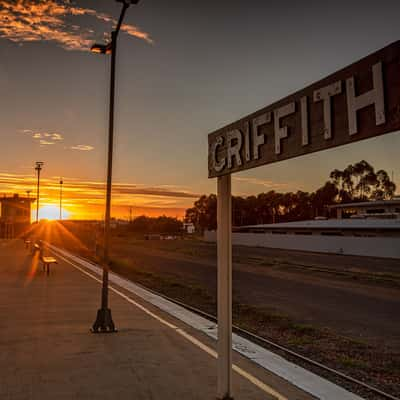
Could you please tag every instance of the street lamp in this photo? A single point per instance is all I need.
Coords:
(38, 168)
(61, 183)
(104, 322)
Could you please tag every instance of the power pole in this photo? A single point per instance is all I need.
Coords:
(38, 168)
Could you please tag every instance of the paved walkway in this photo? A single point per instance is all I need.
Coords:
(47, 351)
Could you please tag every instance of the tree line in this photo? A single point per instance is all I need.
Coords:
(161, 225)
(357, 182)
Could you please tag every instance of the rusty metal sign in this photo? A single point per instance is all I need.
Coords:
(358, 102)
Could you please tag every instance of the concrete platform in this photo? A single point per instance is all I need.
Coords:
(47, 351)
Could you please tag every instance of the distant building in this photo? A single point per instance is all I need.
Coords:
(369, 228)
(368, 209)
(189, 227)
(15, 217)
(329, 227)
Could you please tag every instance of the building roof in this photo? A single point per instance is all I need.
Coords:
(373, 203)
(16, 198)
(368, 223)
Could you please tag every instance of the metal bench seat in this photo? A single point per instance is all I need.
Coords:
(47, 261)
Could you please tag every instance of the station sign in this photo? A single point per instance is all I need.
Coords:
(358, 102)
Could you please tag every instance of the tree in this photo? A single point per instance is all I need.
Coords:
(204, 213)
(161, 224)
(384, 187)
(359, 182)
(323, 197)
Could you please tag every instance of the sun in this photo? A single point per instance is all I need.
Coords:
(52, 213)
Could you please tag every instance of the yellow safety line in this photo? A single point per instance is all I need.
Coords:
(251, 378)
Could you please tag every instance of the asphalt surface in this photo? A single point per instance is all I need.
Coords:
(47, 351)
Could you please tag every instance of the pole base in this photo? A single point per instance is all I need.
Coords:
(104, 322)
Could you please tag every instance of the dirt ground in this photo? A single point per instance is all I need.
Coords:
(339, 310)
(356, 297)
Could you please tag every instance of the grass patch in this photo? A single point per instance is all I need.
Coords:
(170, 286)
(304, 329)
(351, 362)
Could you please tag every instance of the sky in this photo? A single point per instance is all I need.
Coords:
(184, 69)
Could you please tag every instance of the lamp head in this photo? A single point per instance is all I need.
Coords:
(39, 165)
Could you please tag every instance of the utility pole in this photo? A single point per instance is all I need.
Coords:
(28, 195)
(61, 183)
(38, 168)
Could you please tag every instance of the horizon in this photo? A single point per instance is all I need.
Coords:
(91, 193)
(176, 83)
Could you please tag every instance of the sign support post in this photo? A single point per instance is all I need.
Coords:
(224, 247)
(358, 102)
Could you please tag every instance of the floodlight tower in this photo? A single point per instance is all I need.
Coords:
(38, 168)
(104, 322)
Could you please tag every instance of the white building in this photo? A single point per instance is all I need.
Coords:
(368, 209)
(189, 227)
(373, 230)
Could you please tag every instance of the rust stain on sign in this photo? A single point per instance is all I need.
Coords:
(355, 103)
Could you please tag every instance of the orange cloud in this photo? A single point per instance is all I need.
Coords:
(45, 143)
(82, 147)
(34, 20)
(134, 31)
(262, 182)
(85, 199)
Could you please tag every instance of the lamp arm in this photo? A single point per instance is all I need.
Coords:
(121, 17)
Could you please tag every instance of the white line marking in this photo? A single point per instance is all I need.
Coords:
(297, 376)
(255, 381)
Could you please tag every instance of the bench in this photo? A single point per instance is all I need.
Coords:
(47, 261)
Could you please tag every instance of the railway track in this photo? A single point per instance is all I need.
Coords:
(355, 385)
(328, 372)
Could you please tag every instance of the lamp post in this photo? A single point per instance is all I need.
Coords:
(61, 183)
(38, 168)
(104, 321)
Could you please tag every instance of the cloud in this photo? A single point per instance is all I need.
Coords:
(37, 21)
(56, 136)
(50, 138)
(82, 147)
(45, 142)
(262, 182)
(83, 198)
(45, 138)
(90, 189)
(134, 31)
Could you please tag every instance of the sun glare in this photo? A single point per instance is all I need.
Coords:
(52, 213)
